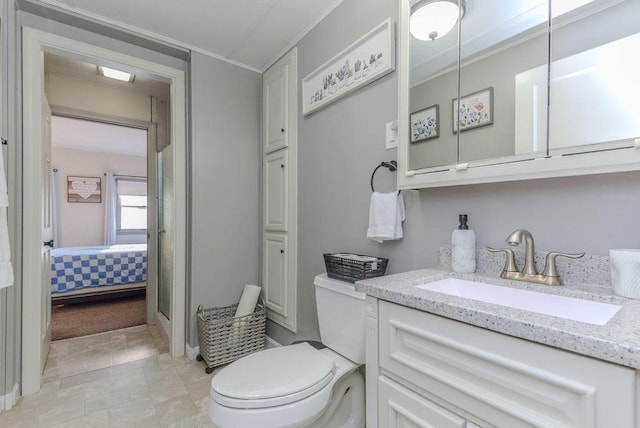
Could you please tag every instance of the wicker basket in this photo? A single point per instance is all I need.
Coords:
(224, 339)
(353, 270)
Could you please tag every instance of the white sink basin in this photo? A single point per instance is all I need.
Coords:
(549, 304)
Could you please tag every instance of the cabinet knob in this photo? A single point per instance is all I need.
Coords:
(281, 129)
(282, 165)
(281, 251)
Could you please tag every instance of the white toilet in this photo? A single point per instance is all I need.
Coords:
(298, 385)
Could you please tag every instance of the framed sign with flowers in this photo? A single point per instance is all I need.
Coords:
(475, 110)
(367, 59)
(425, 124)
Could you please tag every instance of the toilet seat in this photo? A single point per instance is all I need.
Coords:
(295, 414)
(273, 377)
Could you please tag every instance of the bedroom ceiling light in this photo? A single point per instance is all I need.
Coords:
(116, 74)
(432, 19)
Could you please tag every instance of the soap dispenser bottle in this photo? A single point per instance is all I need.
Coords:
(463, 248)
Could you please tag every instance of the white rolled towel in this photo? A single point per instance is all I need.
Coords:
(248, 300)
(247, 306)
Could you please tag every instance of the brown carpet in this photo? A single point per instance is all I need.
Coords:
(82, 319)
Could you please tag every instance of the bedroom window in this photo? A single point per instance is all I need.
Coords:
(131, 205)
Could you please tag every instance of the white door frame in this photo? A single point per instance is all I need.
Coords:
(34, 43)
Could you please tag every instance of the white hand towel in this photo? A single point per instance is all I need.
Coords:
(386, 214)
(356, 257)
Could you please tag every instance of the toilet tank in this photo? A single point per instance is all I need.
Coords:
(341, 317)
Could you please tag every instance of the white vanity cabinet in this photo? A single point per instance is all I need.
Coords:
(427, 370)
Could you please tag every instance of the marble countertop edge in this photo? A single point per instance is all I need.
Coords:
(618, 341)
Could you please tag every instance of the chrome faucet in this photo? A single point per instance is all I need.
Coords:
(529, 273)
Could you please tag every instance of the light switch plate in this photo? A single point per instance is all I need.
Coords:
(391, 135)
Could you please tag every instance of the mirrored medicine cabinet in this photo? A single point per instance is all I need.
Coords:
(520, 89)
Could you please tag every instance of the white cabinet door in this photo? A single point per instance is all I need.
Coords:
(278, 90)
(279, 189)
(275, 118)
(274, 280)
(402, 408)
(276, 195)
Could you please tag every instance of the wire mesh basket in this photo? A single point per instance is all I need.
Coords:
(340, 266)
(224, 338)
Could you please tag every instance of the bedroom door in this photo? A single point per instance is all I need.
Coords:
(47, 236)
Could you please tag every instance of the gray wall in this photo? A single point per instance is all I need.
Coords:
(225, 184)
(342, 143)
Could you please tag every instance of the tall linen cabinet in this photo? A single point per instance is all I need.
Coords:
(279, 192)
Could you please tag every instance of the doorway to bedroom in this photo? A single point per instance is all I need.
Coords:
(106, 189)
(99, 206)
(36, 263)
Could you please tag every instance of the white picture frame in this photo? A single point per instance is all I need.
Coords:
(373, 55)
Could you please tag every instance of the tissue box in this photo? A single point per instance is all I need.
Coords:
(625, 272)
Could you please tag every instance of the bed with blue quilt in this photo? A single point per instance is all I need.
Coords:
(97, 271)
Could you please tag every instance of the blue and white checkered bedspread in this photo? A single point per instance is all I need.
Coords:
(77, 268)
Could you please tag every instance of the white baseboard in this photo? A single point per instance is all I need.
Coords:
(270, 343)
(8, 400)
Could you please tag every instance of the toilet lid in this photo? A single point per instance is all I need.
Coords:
(284, 371)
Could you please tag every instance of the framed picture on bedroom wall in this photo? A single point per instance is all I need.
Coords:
(84, 189)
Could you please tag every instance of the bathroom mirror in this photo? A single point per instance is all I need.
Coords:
(498, 41)
(507, 130)
(595, 88)
(433, 76)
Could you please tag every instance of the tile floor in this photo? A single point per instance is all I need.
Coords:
(124, 378)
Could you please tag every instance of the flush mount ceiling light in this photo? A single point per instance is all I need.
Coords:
(116, 74)
(432, 19)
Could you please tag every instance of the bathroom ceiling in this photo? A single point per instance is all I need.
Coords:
(254, 33)
(99, 137)
(79, 134)
(143, 84)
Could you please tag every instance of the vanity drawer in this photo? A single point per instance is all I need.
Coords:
(400, 407)
(501, 379)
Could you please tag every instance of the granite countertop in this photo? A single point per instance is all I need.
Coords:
(618, 341)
